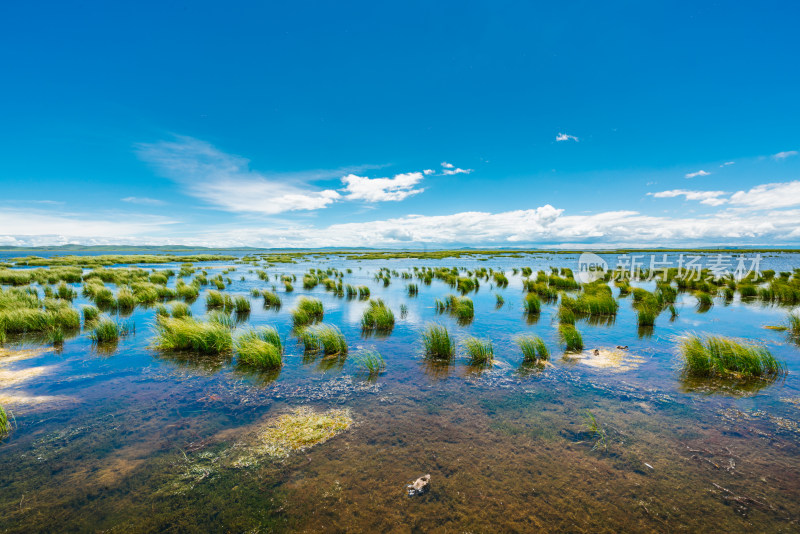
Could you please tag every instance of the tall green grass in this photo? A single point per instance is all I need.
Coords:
(324, 338)
(719, 356)
(107, 330)
(571, 337)
(794, 323)
(271, 299)
(186, 333)
(533, 348)
(377, 317)
(438, 343)
(532, 304)
(308, 311)
(480, 351)
(371, 362)
(5, 426)
(260, 348)
(180, 309)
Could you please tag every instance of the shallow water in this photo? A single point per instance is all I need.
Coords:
(133, 440)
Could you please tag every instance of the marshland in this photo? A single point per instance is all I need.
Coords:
(303, 391)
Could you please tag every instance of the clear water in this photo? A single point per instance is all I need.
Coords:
(130, 439)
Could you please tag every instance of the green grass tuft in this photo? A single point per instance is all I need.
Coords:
(377, 317)
(438, 343)
(533, 349)
(324, 338)
(480, 351)
(260, 348)
(107, 330)
(371, 362)
(571, 337)
(308, 311)
(716, 356)
(210, 337)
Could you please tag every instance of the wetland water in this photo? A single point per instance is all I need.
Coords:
(130, 439)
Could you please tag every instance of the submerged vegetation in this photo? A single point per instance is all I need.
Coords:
(5, 426)
(371, 362)
(301, 429)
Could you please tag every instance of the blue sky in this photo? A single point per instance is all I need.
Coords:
(404, 125)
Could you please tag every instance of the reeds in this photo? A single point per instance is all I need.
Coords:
(241, 305)
(377, 317)
(125, 299)
(260, 348)
(324, 338)
(646, 316)
(180, 309)
(413, 290)
(533, 349)
(704, 301)
(479, 351)
(459, 307)
(723, 357)
(90, 313)
(308, 310)
(186, 333)
(571, 337)
(438, 343)
(794, 323)
(5, 426)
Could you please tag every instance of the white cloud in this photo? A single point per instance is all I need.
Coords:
(457, 170)
(701, 172)
(727, 163)
(144, 201)
(382, 189)
(226, 181)
(447, 165)
(566, 137)
(428, 172)
(769, 196)
(710, 198)
(784, 155)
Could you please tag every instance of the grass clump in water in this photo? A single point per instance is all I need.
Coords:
(260, 348)
(571, 337)
(181, 309)
(596, 430)
(90, 313)
(532, 304)
(271, 299)
(241, 305)
(324, 338)
(480, 351)
(533, 349)
(186, 333)
(794, 323)
(308, 311)
(372, 363)
(377, 317)
(107, 330)
(5, 426)
(716, 356)
(438, 343)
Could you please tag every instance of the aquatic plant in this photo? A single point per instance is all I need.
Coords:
(260, 348)
(301, 429)
(438, 343)
(480, 351)
(719, 356)
(186, 333)
(704, 301)
(377, 317)
(571, 337)
(271, 299)
(646, 316)
(499, 300)
(215, 299)
(308, 310)
(90, 313)
(241, 305)
(363, 292)
(413, 290)
(107, 330)
(459, 307)
(371, 362)
(324, 338)
(533, 348)
(532, 304)
(596, 430)
(794, 323)
(5, 426)
(566, 315)
(180, 309)
(125, 299)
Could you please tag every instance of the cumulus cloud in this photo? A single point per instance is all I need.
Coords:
(226, 181)
(701, 172)
(457, 170)
(710, 198)
(382, 189)
(769, 196)
(428, 172)
(784, 155)
(447, 165)
(566, 137)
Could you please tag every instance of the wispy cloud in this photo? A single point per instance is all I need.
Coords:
(710, 198)
(727, 163)
(701, 172)
(226, 181)
(784, 155)
(447, 165)
(382, 189)
(145, 201)
(566, 137)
